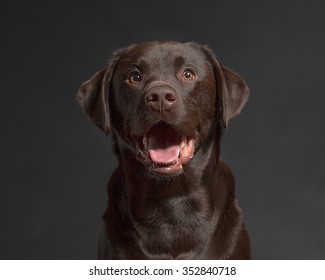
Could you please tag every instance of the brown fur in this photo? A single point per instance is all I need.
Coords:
(181, 210)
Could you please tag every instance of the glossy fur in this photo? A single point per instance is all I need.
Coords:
(186, 210)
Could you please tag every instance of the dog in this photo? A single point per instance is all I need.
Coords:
(171, 196)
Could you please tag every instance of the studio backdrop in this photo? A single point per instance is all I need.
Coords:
(55, 163)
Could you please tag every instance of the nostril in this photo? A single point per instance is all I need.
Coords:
(152, 97)
(170, 96)
(167, 96)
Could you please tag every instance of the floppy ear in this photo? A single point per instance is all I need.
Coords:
(234, 94)
(93, 99)
(233, 91)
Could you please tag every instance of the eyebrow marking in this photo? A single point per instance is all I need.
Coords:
(179, 62)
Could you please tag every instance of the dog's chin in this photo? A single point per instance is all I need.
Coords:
(164, 151)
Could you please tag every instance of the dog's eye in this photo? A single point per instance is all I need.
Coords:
(135, 78)
(188, 75)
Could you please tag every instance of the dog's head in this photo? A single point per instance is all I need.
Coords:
(163, 100)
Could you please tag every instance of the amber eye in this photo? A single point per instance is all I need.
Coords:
(188, 75)
(135, 78)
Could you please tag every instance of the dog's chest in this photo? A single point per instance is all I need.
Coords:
(179, 227)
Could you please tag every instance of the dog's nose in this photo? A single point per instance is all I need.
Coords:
(161, 98)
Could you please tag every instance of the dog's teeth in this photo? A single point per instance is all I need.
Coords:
(145, 142)
(183, 142)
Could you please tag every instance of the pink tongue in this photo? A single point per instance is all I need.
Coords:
(164, 145)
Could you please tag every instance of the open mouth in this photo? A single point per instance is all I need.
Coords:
(164, 150)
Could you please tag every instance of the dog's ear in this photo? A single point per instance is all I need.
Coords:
(233, 91)
(93, 95)
(93, 99)
(234, 94)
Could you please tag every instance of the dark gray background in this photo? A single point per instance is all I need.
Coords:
(55, 163)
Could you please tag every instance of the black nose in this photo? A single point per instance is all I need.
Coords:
(161, 98)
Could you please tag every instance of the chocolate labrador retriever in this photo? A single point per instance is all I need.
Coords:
(171, 197)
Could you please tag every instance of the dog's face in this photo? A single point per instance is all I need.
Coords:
(157, 91)
(163, 100)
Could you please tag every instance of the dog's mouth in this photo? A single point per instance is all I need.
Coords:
(164, 150)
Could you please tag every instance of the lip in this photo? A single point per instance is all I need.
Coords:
(163, 149)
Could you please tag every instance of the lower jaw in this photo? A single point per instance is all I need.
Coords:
(166, 171)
